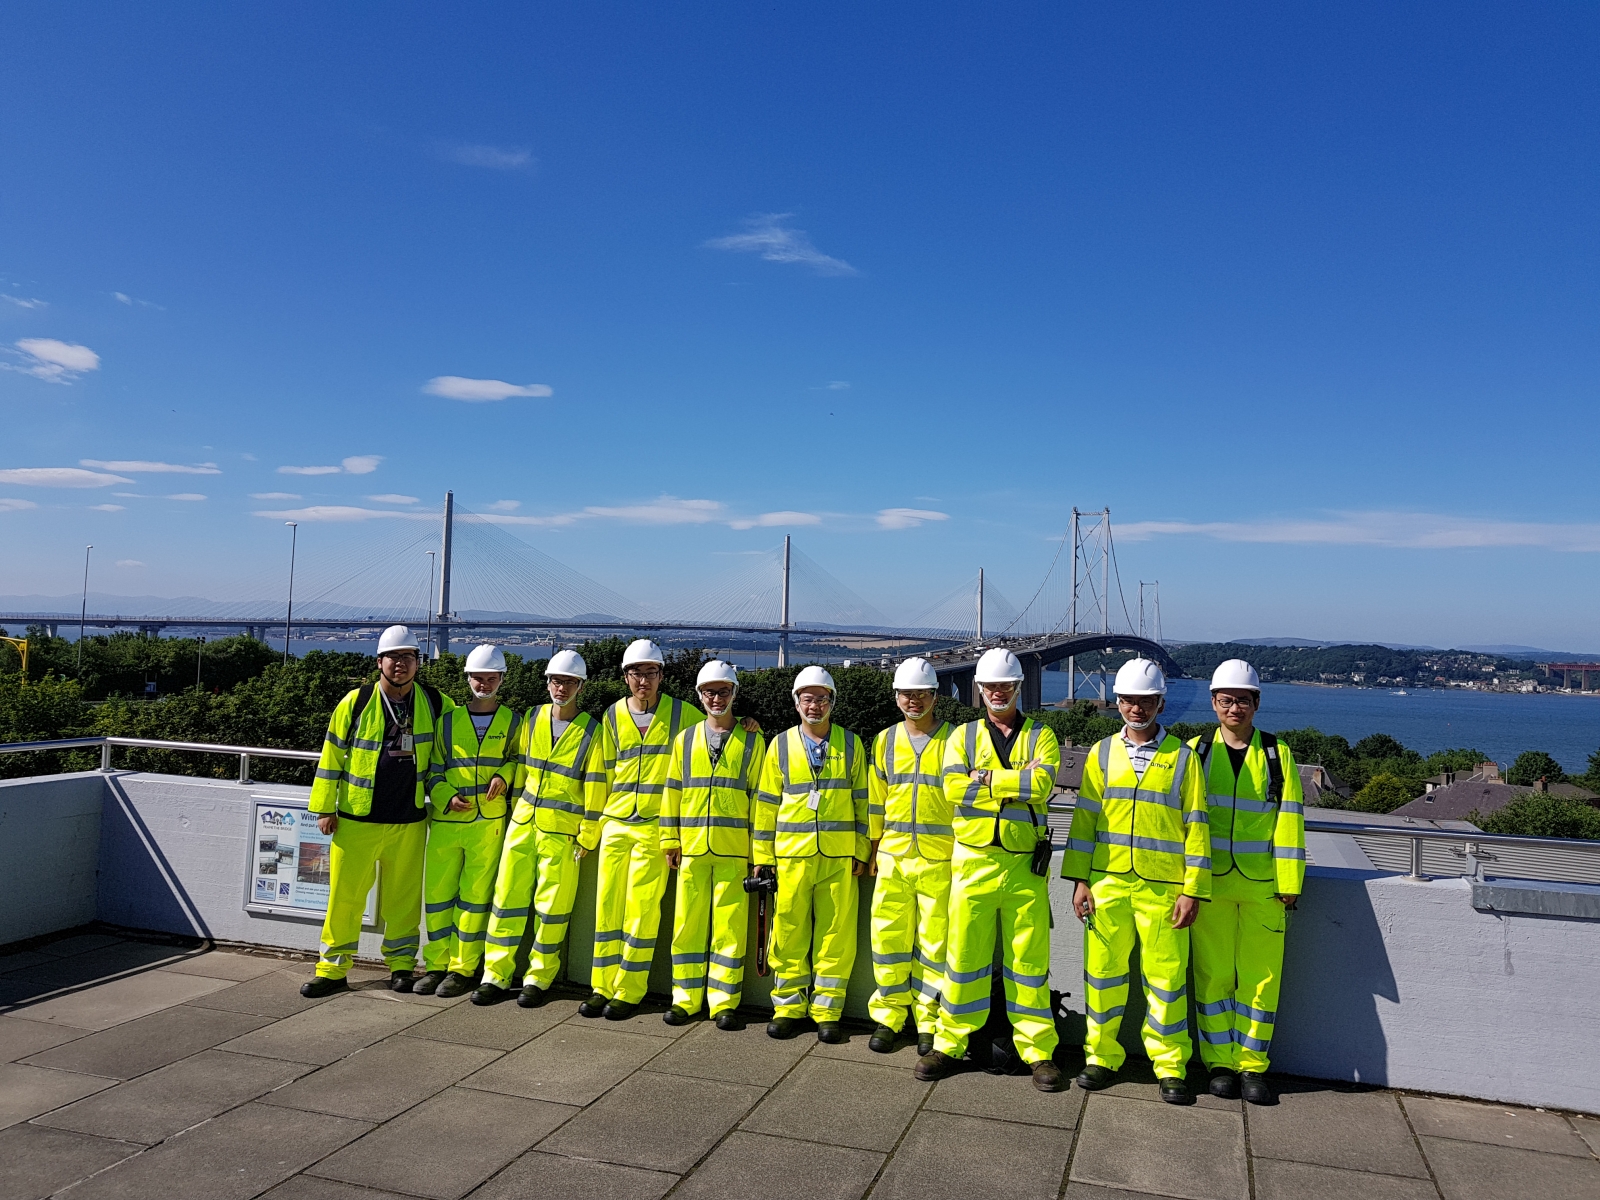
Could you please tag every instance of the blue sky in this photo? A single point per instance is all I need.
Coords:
(1308, 297)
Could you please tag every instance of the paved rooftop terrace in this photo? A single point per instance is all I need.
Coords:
(142, 1069)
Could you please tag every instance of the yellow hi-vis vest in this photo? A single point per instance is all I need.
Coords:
(560, 783)
(1154, 827)
(1012, 809)
(637, 766)
(472, 764)
(907, 811)
(786, 826)
(346, 772)
(706, 809)
(1261, 836)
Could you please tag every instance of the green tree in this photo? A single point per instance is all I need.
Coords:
(1540, 815)
(46, 709)
(1384, 794)
(1532, 766)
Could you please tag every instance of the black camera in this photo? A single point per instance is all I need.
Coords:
(764, 880)
(1042, 852)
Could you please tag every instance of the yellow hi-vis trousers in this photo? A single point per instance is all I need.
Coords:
(358, 848)
(627, 909)
(1127, 907)
(537, 872)
(457, 884)
(985, 884)
(813, 936)
(711, 918)
(910, 911)
(1238, 968)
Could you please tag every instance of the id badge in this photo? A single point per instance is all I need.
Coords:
(814, 800)
(407, 743)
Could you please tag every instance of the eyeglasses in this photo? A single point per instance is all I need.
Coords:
(1232, 702)
(1003, 688)
(722, 693)
(1139, 701)
(917, 693)
(643, 673)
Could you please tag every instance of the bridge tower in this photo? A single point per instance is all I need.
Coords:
(783, 626)
(1091, 548)
(443, 615)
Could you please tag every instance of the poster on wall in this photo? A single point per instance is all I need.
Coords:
(289, 862)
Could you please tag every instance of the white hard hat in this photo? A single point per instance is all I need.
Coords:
(486, 658)
(1235, 673)
(567, 662)
(915, 675)
(641, 651)
(998, 666)
(813, 677)
(1140, 677)
(717, 671)
(397, 637)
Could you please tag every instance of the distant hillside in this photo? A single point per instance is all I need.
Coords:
(1371, 665)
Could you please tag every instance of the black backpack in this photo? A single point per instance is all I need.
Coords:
(429, 692)
(1269, 747)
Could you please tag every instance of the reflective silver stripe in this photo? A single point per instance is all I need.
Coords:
(550, 802)
(983, 814)
(1202, 861)
(439, 906)
(501, 913)
(982, 972)
(764, 835)
(1089, 804)
(1215, 1008)
(1252, 1043)
(1195, 816)
(795, 827)
(1138, 843)
(682, 959)
(1288, 852)
(1242, 804)
(1080, 845)
(552, 919)
(970, 1006)
(1025, 980)
(1112, 981)
(837, 827)
(638, 943)
(1100, 1018)
(1218, 1038)
(827, 981)
(1177, 1026)
(1294, 808)
(723, 960)
(1255, 1014)
(1163, 994)
(889, 960)
(609, 935)
(1027, 1010)
(1251, 847)
(705, 822)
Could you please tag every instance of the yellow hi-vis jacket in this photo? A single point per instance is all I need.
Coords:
(1263, 837)
(907, 811)
(472, 764)
(346, 772)
(706, 809)
(559, 783)
(1154, 827)
(1011, 810)
(787, 826)
(636, 766)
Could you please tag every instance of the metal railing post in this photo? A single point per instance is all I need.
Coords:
(105, 757)
(1416, 859)
(244, 768)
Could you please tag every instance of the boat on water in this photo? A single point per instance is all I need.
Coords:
(1401, 692)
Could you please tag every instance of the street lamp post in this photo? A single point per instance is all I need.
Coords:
(288, 621)
(83, 613)
(198, 654)
(428, 604)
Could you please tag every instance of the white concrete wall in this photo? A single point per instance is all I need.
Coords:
(49, 847)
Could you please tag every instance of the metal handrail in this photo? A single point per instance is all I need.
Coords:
(1448, 835)
(245, 753)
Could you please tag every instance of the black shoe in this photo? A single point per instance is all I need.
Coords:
(618, 1010)
(401, 981)
(1174, 1090)
(729, 1021)
(531, 996)
(1255, 1088)
(594, 1006)
(489, 993)
(783, 1027)
(936, 1065)
(882, 1040)
(1095, 1077)
(1047, 1077)
(322, 986)
(676, 1016)
(1224, 1083)
(924, 1045)
(425, 986)
(452, 985)
(830, 1032)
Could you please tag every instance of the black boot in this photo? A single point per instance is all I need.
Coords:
(936, 1065)
(1255, 1088)
(676, 1016)
(1095, 1077)
(924, 1045)
(830, 1032)
(594, 1006)
(531, 996)
(401, 981)
(453, 985)
(426, 985)
(730, 1021)
(783, 1027)
(1047, 1077)
(619, 1010)
(323, 986)
(882, 1040)
(489, 993)
(1174, 1090)
(1224, 1083)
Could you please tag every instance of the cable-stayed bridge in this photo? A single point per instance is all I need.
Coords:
(462, 575)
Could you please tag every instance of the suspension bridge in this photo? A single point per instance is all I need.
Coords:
(485, 584)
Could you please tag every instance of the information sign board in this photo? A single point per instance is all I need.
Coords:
(289, 861)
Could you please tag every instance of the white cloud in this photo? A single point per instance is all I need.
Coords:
(496, 158)
(129, 562)
(768, 520)
(359, 464)
(52, 360)
(392, 498)
(766, 235)
(274, 495)
(1399, 530)
(664, 510)
(124, 297)
(308, 470)
(24, 302)
(108, 508)
(456, 387)
(137, 466)
(554, 521)
(838, 385)
(505, 506)
(907, 518)
(8, 504)
(344, 512)
(129, 495)
(186, 496)
(59, 477)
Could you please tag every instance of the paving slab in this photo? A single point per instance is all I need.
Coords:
(237, 1156)
(40, 1161)
(1357, 1130)
(1588, 1128)
(646, 1020)
(1137, 1081)
(1473, 1171)
(103, 1005)
(220, 964)
(18, 1039)
(501, 1026)
(28, 1091)
(447, 1146)
(854, 1049)
(310, 1187)
(129, 1050)
(1493, 1124)
(944, 1154)
(328, 1032)
(21, 959)
(840, 1104)
(1192, 1152)
(661, 1122)
(570, 1064)
(1277, 1180)
(378, 989)
(745, 1055)
(539, 1174)
(77, 944)
(787, 1170)
(1006, 1098)
(160, 1104)
(274, 994)
(94, 966)
(383, 1081)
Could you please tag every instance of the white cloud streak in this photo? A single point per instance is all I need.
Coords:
(1396, 530)
(496, 158)
(275, 496)
(765, 234)
(359, 464)
(59, 477)
(139, 466)
(51, 360)
(188, 496)
(129, 562)
(505, 506)
(329, 513)
(12, 504)
(108, 508)
(907, 518)
(478, 391)
(24, 302)
(664, 510)
(774, 519)
(392, 498)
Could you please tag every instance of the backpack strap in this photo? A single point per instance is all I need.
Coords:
(1269, 747)
(434, 702)
(1202, 747)
(363, 698)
